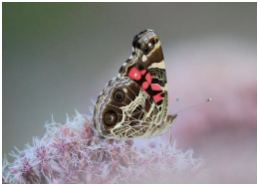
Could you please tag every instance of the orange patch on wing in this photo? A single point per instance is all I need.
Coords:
(148, 78)
(156, 87)
(145, 85)
(143, 71)
(157, 97)
(134, 74)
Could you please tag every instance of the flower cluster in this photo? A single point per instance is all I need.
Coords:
(73, 153)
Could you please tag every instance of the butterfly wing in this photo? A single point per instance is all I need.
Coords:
(120, 110)
(146, 67)
(141, 86)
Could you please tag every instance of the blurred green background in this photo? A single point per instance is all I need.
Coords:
(58, 56)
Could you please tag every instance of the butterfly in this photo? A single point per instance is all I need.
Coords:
(135, 103)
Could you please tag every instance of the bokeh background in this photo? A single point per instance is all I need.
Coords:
(58, 56)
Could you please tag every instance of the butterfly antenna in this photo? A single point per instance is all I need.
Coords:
(208, 100)
(175, 101)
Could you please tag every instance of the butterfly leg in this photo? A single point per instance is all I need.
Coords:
(170, 119)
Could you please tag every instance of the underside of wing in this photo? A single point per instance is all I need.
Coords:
(146, 66)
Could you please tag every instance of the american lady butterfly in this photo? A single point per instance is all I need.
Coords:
(134, 104)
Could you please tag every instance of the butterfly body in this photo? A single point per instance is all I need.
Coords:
(135, 103)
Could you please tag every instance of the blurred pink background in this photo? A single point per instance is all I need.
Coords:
(223, 130)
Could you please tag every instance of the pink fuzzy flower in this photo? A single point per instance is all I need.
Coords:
(73, 153)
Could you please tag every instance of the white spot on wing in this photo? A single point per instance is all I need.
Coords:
(160, 65)
(144, 58)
